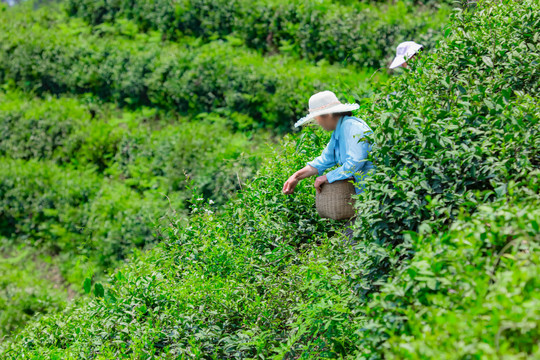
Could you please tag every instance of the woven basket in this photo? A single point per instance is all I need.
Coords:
(334, 201)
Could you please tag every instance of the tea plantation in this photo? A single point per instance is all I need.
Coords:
(145, 144)
(107, 127)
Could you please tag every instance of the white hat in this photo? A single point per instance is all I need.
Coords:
(404, 52)
(325, 102)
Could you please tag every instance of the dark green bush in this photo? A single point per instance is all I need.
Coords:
(475, 287)
(75, 216)
(463, 122)
(357, 34)
(67, 57)
(146, 149)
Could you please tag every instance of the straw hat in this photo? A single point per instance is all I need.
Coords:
(324, 102)
(404, 52)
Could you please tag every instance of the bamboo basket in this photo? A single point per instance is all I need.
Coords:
(334, 201)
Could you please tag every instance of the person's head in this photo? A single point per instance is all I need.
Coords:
(326, 109)
(404, 65)
(405, 52)
(329, 121)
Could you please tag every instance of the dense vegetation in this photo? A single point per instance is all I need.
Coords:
(105, 176)
(446, 253)
(44, 53)
(355, 33)
(146, 149)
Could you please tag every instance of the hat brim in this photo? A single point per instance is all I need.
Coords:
(398, 60)
(334, 109)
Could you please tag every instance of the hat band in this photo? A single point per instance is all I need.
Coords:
(324, 106)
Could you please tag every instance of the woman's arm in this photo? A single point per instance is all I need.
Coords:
(326, 159)
(290, 184)
(314, 167)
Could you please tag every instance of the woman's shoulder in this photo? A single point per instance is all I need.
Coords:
(352, 119)
(355, 122)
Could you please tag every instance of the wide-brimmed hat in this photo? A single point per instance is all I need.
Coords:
(404, 52)
(325, 102)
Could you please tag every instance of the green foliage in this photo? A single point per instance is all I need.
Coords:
(146, 149)
(150, 151)
(23, 295)
(88, 223)
(66, 56)
(475, 288)
(355, 33)
(221, 288)
(242, 254)
(463, 123)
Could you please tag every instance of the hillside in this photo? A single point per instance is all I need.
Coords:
(446, 260)
(115, 114)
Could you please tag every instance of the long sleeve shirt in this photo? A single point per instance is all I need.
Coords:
(346, 149)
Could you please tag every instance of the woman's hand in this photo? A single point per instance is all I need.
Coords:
(319, 182)
(307, 171)
(290, 184)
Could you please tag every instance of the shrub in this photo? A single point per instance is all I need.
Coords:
(188, 77)
(259, 230)
(475, 288)
(75, 216)
(146, 149)
(463, 122)
(359, 34)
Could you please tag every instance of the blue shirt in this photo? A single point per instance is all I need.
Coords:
(345, 149)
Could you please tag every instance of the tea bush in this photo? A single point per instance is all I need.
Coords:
(74, 223)
(146, 149)
(475, 287)
(69, 57)
(220, 288)
(355, 33)
(152, 152)
(260, 230)
(23, 295)
(463, 122)
(74, 215)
